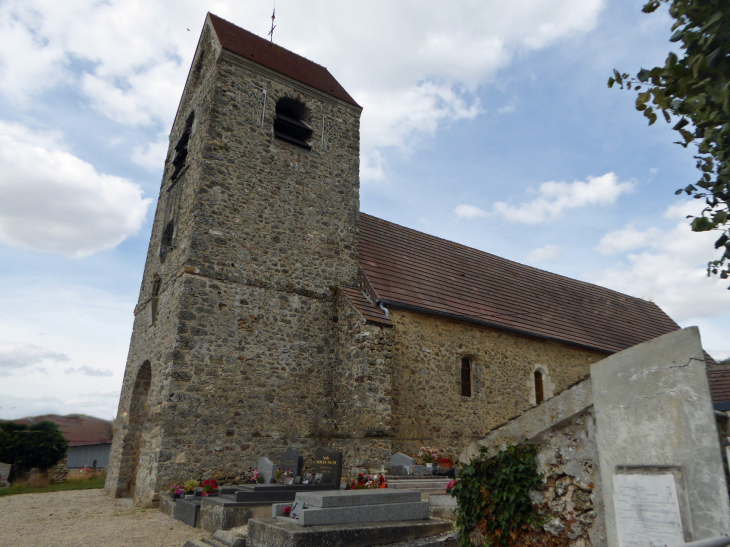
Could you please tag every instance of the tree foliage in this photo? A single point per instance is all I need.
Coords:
(694, 92)
(41, 445)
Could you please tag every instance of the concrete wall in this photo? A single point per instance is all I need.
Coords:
(653, 410)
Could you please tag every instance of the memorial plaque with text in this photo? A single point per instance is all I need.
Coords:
(647, 510)
(329, 464)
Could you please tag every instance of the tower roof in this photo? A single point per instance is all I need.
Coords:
(261, 51)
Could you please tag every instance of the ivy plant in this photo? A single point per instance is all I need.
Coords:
(693, 90)
(493, 495)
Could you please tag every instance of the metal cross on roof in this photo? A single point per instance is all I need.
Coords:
(273, 26)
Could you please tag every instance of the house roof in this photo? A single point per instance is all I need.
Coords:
(261, 51)
(370, 312)
(78, 429)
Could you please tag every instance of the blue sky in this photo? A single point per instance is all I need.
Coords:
(486, 123)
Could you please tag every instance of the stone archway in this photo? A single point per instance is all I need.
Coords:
(132, 447)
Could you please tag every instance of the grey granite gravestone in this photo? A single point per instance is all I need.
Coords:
(187, 511)
(291, 459)
(401, 459)
(418, 470)
(397, 470)
(329, 464)
(266, 469)
(5, 472)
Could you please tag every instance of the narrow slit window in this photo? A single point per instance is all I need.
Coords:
(288, 124)
(181, 148)
(539, 393)
(168, 235)
(466, 377)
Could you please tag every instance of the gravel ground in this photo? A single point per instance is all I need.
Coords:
(86, 518)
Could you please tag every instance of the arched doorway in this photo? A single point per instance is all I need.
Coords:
(138, 414)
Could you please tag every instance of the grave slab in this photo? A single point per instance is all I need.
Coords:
(349, 498)
(356, 514)
(221, 514)
(276, 533)
(187, 511)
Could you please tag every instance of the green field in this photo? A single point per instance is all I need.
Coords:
(87, 484)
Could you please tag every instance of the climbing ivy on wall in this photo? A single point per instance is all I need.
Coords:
(493, 497)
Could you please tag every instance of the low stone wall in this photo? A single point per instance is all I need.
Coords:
(59, 472)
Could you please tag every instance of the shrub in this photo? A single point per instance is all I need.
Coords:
(493, 497)
(41, 445)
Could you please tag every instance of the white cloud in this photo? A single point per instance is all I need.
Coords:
(152, 157)
(668, 266)
(52, 201)
(506, 109)
(88, 371)
(14, 357)
(544, 253)
(130, 58)
(557, 197)
(469, 211)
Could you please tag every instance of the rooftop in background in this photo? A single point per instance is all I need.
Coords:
(79, 429)
(261, 51)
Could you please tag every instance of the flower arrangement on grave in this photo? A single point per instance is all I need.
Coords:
(363, 481)
(450, 486)
(286, 474)
(176, 491)
(278, 475)
(286, 511)
(428, 454)
(190, 485)
(254, 478)
(446, 463)
(209, 486)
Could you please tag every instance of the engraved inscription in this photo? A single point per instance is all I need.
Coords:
(647, 510)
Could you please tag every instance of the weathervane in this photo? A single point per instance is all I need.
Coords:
(273, 26)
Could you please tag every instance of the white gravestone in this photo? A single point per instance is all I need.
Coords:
(647, 508)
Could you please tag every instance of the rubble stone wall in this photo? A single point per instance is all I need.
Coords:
(428, 407)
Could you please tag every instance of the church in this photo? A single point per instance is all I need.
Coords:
(272, 312)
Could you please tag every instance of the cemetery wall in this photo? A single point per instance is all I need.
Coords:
(428, 407)
(241, 355)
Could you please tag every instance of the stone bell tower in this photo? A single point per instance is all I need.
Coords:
(231, 354)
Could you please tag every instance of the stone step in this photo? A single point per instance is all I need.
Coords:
(383, 512)
(445, 540)
(276, 533)
(229, 540)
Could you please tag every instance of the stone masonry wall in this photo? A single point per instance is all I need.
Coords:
(242, 349)
(428, 407)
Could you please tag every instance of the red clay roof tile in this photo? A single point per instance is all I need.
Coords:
(261, 51)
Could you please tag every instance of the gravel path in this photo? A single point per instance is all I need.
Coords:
(86, 518)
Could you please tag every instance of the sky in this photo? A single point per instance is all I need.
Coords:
(485, 122)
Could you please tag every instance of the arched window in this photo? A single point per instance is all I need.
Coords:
(288, 124)
(539, 392)
(466, 377)
(154, 299)
(166, 242)
(181, 148)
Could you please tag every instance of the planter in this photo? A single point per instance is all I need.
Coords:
(175, 496)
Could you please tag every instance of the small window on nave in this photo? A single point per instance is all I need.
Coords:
(466, 376)
(539, 391)
(288, 124)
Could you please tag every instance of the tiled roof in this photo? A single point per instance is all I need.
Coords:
(78, 429)
(414, 270)
(261, 51)
(371, 312)
(407, 269)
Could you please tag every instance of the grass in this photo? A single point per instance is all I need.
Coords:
(94, 480)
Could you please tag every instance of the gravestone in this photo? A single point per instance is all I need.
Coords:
(266, 469)
(291, 459)
(418, 470)
(329, 465)
(397, 470)
(5, 472)
(401, 459)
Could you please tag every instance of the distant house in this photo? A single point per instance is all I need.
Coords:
(90, 438)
